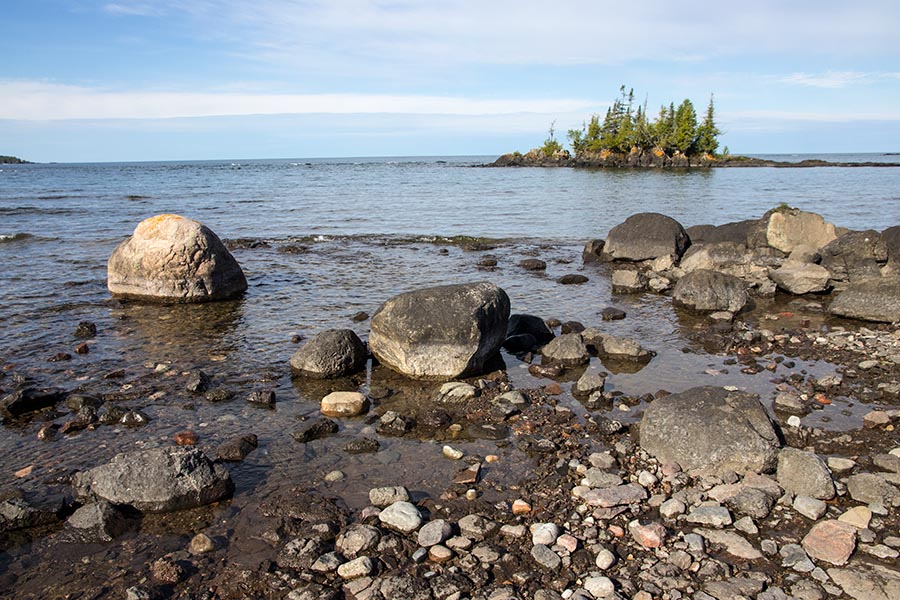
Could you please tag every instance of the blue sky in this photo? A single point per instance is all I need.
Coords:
(94, 80)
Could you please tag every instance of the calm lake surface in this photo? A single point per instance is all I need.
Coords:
(319, 241)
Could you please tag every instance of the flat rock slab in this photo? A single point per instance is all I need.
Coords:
(872, 300)
(157, 480)
(865, 581)
(831, 541)
(619, 495)
(734, 544)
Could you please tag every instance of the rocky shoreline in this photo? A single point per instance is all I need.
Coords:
(708, 493)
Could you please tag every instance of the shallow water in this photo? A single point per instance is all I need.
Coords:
(334, 238)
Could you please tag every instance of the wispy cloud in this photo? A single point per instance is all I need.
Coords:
(40, 101)
(838, 79)
(134, 9)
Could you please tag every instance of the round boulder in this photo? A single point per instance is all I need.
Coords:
(710, 291)
(173, 259)
(710, 430)
(329, 354)
(646, 236)
(444, 332)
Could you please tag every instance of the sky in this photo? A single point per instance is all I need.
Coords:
(123, 80)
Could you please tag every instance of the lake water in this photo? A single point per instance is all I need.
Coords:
(319, 241)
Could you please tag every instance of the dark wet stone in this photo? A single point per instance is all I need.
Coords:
(611, 313)
(134, 418)
(571, 327)
(520, 324)
(18, 513)
(360, 317)
(434, 418)
(111, 415)
(522, 342)
(363, 445)
(84, 418)
(552, 370)
(29, 399)
(487, 262)
(330, 354)
(60, 357)
(237, 449)
(262, 398)
(572, 279)
(315, 429)
(82, 348)
(85, 329)
(198, 382)
(593, 251)
(76, 402)
(99, 522)
(533, 264)
(392, 423)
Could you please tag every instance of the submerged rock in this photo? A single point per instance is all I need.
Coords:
(170, 258)
(157, 480)
(443, 332)
(329, 354)
(710, 430)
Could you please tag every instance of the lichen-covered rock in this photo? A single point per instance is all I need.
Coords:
(710, 430)
(645, 236)
(329, 354)
(443, 332)
(710, 291)
(157, 480)
(170, 258)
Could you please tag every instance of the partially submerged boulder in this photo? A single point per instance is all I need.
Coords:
(646, 236)
(568, 350)
(329, 354)
(871, 300)
(444, 332)
(521, 324)
(710, 430)
(170, 258)
(710, 291)
(157, 480)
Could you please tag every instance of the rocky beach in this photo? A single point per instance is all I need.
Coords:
(461, 449)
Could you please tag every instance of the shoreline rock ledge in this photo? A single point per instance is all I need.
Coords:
(173, 259)
(441, 333)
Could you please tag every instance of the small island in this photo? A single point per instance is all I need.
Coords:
(13, 160)
(627, 137)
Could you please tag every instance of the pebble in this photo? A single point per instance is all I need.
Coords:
(567, 541)
(201, 544)
(333, 476)
(840, 465)
(434, 533)
(402, 516)
(471, 494)
(599, 587)
(439, 554)
(452, 453)
(746, 525)
(794, 421)
(520, 507)
(544, 533)
(876, 418)
(383, 496)
(651, 535)
(356, 568)
(605, 559)
(672, 508)
(476, 527)
(811, 508)
(545, 557)
(513, 531)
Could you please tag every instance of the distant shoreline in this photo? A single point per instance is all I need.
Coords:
(13, 160)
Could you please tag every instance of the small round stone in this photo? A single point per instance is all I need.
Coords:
(201, 544)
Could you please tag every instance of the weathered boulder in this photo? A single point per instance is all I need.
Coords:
(871, 300)
(645, 236)
(710, 430)
(605, 344)
(729, 232)
(521, 324)
(862, 580)
(328, 354)
(855, 256)
(709, 291)
(786, 228)
(98, 521)
(801, 278)
(628, 281)
(802, 473)
(568, 350)
(170, 258)
(891, 237)
(443, 332)
(157, 480)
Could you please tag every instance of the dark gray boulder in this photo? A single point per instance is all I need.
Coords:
(443, 332)
(872, 300)
(156, 480)
(98, 522)
(854, 256)
(29, 399)
(729, 232)
(710, 291)
(172, 259)
(529, 324)
(710, 430)
(646, 236)
(329, 354)
(891, 237)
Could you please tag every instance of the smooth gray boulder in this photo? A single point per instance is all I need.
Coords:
(444, 332)
(710, 430)
(872, 300)
(710, 291)
(329, 354)
(156, 480)
(645, 236)
(172, 259)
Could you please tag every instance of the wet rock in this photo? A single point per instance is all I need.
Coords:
(111, 415)
(867, 581)
(710, 430)
(82, 348)
(238, 448)
(589, 383)
(197, 382)
(264, 398)
(401, 516)
(360, 316)
(790, 403)
(801, 278)
(84, 418)
(170, 258)
(871, 300)
(76, 402)
(137, 592)
(524, 342)
(394, 424)
(613, 346)
(628, 281)
(455, 392)
(86, 329)
(550, 371)
(572, 279)
(469, 475)
(344, 404)
(157, 480)
(805, 474)
(830, 541)
(28, 400)
(567, 350)
(444, 332)
(533, 264)
(134, 418)
(185, 438)
(315, 429)
(357, 540)
(645, 236)
(571, 327)
(592, 251)
(329, 354)
(18, 513)
(300, 553)
(521, 324)
(385, 496)
(710, 291)
(611, 313)
(363, 445)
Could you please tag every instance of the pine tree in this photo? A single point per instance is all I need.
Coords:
(708, 132)
(685, 136)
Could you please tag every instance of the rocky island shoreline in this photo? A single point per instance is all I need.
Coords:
(712, 492)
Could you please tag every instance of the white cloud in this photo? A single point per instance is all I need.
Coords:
(838, 79)
(40, 101)
(134, 9)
